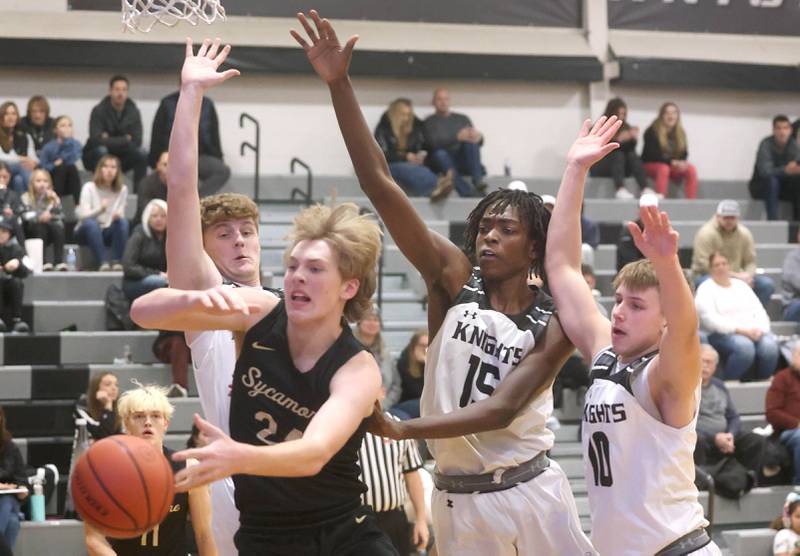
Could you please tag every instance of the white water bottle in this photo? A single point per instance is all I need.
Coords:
(72, 259)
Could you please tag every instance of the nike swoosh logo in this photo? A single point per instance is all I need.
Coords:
(257, 345)
(361, 519)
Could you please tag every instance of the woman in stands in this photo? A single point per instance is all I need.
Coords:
(144, 263)
(99, 406)
(665, 152)
(624, 161)
(12, 476)
(737, 325)
(16, 147)
(37, 122)
(101, 214)
(368, 332)
(59, 157)
(400, 136)
(43, 218)
(787, 540)
(411, 367)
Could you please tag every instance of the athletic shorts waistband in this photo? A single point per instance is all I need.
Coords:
(687, 544)
(492, 482)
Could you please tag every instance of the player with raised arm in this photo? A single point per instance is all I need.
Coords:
(497, 492)
(302, 389)
(641, 408)
(210, 241)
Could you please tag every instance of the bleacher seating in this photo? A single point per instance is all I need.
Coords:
(43, 373)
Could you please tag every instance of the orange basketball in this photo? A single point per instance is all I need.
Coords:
(122, 486)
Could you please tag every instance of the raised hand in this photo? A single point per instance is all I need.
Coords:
(658, 240)
(380, 425)
(593, 142)
(201, 70)
(328, 58)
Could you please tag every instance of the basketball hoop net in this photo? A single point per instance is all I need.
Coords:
(141, 15)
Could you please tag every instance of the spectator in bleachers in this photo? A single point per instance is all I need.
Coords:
(16, 147)
(99, 406)
(13, 269)
(12, 476)
(791, 284)
(411, 366)
(368, 332)
(59, 156)
(455, 145)
(624, 161)
(115, 127)
(719, 428)
(402, 139)
(783, 407)
(43, 217)
(665, 152)
(144, 263)
(724, 233)
(776, 174)
(37, 122)
(787, 540)
(170, 347)
(10, 203)
(153, 186)
(736, 323)
(101, 214)
(213, 173)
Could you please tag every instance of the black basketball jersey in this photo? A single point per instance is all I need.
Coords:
(272, 402)
(168, 538)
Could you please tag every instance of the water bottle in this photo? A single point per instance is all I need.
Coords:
(79, 445)
(37, 500)
(72, 259)
(127, 355)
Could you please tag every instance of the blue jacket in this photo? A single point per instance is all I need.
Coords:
(69, 151)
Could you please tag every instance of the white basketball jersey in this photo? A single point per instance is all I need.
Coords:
(639, 470)
(474, 350)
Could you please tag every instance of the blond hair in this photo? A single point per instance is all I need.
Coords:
(672, 142)
(355, 238)
(401, 128)
(34, 174)
(145, 398)
(638, 275)
(227, 206)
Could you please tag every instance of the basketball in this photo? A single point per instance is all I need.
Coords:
(122, 486)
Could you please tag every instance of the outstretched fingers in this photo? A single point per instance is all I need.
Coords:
(299, 38)
(587, 124)
(212, 52)
(598, 124)
(301, 17)
(204, 48)
(189, 47)
(611, 129)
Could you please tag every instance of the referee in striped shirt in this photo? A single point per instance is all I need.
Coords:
(389, 468)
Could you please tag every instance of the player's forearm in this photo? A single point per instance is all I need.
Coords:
(161, 309)
(677, 301)
(205, 541)
(564, 232)
(368, 161)
(483, 416)
(296, 458)
(416, 494)
(183, 141)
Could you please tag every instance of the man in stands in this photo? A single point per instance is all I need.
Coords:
(153, 186)
(719, 428)
(783, 407)
(724, 233)
(115, 127)
(455, 145)
(776, 174)
(213, 173)
(791, 284)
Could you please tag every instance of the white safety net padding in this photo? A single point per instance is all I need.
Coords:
(141, 15)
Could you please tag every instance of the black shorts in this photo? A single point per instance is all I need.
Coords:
(354, 533)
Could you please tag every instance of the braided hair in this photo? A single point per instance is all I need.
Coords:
(531, 213)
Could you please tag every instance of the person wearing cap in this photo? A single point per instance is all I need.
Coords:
(776, 173)
(724, 233)
(13, 268)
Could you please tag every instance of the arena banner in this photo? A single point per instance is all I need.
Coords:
(749, 17)
(543, 13)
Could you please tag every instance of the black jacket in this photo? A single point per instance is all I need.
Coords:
(388, 141)
(42, 134)
(12, 466)
(118, 125)
(143, 255)
(13, 250)
(98, 429)
(651, 152)
(209, 143)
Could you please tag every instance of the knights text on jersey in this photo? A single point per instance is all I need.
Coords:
(639, 470)
(168, 538)
(474, 350)
(272, 402)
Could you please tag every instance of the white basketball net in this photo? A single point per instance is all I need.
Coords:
(141, 15)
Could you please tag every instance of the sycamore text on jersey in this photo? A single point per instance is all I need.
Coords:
(251, 380)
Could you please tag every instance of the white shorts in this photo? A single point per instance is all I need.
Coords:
(537, 517)
(224, 517)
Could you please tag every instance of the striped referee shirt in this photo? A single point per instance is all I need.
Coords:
(383, 465)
